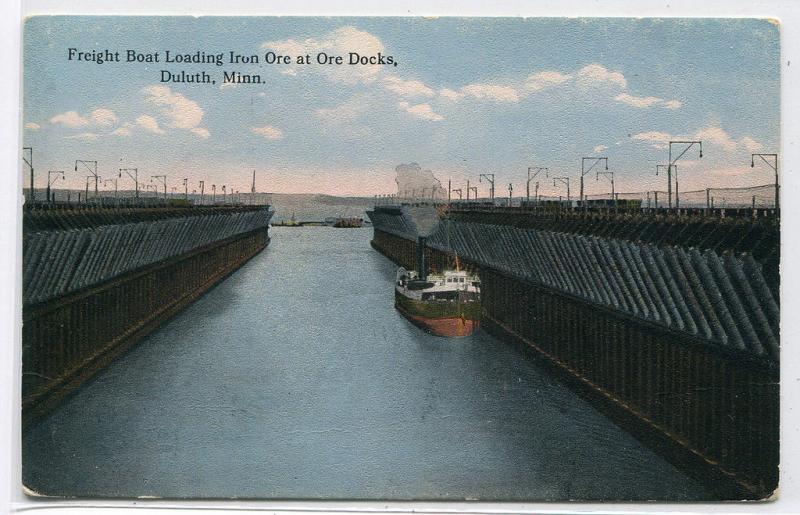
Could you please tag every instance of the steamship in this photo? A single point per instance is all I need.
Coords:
(446, 304)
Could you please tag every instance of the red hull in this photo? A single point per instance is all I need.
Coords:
(448, 327)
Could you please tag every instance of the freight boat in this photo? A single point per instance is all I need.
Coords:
(352, 222)
(446, 304)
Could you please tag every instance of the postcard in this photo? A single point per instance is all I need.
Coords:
(331, 258)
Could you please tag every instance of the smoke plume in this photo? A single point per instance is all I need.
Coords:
(414, 182)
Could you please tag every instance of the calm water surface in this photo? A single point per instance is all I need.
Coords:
(296, 378)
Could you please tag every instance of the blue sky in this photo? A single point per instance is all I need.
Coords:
(468, 96)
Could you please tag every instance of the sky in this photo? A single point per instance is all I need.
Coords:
(467, 96)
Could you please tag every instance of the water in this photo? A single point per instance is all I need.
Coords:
(296, 378)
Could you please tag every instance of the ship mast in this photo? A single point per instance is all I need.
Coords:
(447, 233)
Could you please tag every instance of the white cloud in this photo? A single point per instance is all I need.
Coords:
(645, 102)
(750, 144)
(407, 88)
(653, 136)
(593, 77)
(268, 132)
(639, 102)
(711, 135)
(33, 126)
(596, 74)
(716, 136)
(202, 132)
(69, 119)
(103, 117)
(599, 148)
(349, 118)
(450, 94)
(423, 111)
(88, 136)
(336, 43)
(149, 123)
(493, 92)
(542, 80)
(658, 139)
(346, 111)
(122, 131)
(180, 112)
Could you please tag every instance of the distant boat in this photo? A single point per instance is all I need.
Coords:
(349, 222)
(446, 304)
(291, 222)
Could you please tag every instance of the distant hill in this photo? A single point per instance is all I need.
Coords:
(317, 207)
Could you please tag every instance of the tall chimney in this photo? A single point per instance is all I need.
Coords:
(422, 264)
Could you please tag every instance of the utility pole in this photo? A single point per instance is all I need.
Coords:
(163, 179)
(92, 167)
(608, 175)
(224, 194)
(468, 189)
(186, 188)
(213, 194)
(115, 180)
(533, 171)
(134, 176)
(449, 191)
(202, 189)
(585, 170)
(253, 190)
(50, 182)
(670, 169)
(86, 194)
(459, 193)
(489, 177)
(563, 180)
(688, 145)
(773, 165)
(29, 161)
(510, 191)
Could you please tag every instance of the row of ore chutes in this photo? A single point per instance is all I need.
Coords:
(95, 281)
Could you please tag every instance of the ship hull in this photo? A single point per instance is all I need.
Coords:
(450, 321)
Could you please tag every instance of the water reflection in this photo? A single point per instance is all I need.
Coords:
(295, 377)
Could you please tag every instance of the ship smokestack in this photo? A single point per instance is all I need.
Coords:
(422, 263)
